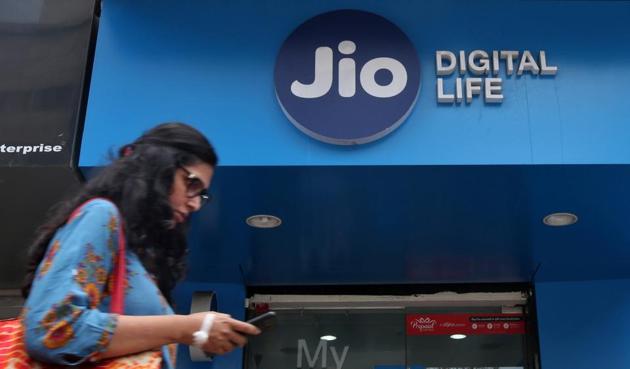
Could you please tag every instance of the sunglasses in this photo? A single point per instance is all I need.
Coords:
(195, 187)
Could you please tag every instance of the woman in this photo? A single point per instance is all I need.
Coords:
(149, 191)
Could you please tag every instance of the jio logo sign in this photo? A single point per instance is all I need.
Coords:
(347, 77)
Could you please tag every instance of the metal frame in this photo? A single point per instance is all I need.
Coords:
(440, 299)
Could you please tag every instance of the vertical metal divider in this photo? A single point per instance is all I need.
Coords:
(202, 301)
(531, 346)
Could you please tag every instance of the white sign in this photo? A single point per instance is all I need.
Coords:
(27, 149)
(320, 354)
(485, 67)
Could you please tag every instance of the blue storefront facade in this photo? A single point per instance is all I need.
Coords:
(412, 184)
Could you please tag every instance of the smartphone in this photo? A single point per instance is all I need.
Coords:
(265, 320)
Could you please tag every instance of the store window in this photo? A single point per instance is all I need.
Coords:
(342, 335)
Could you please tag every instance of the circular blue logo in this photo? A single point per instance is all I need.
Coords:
(347, 77)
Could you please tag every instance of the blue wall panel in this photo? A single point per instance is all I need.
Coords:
(584, 325)
(211, 63)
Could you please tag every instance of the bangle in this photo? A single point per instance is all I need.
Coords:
(201, 336)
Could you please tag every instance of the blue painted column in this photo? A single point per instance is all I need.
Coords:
(585, 324)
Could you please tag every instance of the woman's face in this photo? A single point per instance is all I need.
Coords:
(189, 185)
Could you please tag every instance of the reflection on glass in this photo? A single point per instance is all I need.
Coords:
(364, 339)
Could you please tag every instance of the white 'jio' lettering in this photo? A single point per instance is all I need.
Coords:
(346, 70)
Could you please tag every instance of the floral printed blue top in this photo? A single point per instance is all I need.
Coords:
(66, 315)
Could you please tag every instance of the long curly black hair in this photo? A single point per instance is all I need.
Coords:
(139, 182)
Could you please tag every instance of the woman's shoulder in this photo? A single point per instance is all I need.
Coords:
(97, 207)
(99, 203)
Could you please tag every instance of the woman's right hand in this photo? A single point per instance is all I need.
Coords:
(225, 335)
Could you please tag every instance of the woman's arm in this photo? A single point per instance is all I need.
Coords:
(62, 320)
(140, 333)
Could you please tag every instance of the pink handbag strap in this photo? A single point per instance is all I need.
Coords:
(117, 304)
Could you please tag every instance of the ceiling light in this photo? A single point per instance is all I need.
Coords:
(458, 336)
(328, 338)
(263, 221)
(560, 219)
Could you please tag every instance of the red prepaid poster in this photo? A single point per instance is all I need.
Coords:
(469, 324)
